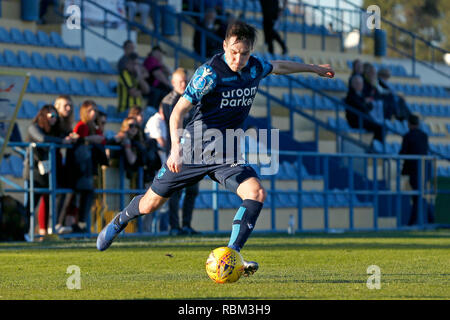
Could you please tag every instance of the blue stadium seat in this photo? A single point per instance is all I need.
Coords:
(48, 85)
(24, 59)
(65, 63)
(206, 199)
(52, 62)
(62, 86)
(76, 87)
(5, 167)
(91, 65)
(27, 110)
(89, 88)
(38, 60)
(56, 40)
(234, 200)
(16, 164)
(76, 113)
(10, 58)
(30, 38)
(103, 89)
(78, 64)
(43, 39)
(2, 60)
(224, 202)
(378, 146)
(16, 36)
(4, 35)
(34, 85)
(199, 203)
(105, 66)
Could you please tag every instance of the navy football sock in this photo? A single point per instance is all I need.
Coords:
(131, 211)
(244, 222)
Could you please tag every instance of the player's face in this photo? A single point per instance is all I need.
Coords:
(237, 53)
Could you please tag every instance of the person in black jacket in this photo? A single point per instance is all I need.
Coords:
(44, 128)
(271, 12)
(363, 104)
(415, 142)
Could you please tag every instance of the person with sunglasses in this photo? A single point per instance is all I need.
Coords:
(45, 128)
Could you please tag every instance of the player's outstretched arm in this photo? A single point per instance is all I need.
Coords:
(287, 67)
(176, 126)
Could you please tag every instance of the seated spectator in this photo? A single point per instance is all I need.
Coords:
(132, 85)
(356, 99)
(128, 48)
(44, 128)
(394, 104)
(211, 45)
(370, 88)
(158, 76)
(415, 142)
(357, 68)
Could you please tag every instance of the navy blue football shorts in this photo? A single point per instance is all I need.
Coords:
(230, 176)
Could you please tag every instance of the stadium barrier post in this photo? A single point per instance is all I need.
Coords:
(272, 202)
(420, 181)
(375, 193)
(326, 192)
(398, 197)
(52, 186)
(31, 190)
(215, 203)
(351, 191)
(299, 193)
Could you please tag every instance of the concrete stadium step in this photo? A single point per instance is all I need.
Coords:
(42, 50)
(312, 219)
(35, 97)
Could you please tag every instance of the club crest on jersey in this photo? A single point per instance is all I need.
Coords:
(253, 72)
(200, 81)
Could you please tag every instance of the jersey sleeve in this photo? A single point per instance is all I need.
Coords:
(202, 82)
(267, 67)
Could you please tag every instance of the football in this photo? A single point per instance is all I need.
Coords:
(224, 265)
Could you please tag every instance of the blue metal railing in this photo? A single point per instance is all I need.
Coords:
(373, 194)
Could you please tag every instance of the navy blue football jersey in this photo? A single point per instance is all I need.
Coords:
(222, 100)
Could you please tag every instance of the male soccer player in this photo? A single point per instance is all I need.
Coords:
(222, 91)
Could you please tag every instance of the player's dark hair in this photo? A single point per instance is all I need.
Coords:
(242, 31)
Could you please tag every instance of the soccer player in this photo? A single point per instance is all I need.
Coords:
(222, 91)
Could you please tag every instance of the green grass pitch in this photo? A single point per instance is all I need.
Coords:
(413, 265)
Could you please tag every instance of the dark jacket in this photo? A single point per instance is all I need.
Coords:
(415, 142)
(356, 101)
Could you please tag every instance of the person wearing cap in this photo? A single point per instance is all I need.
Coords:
(132, 85)
(158, 76)
(415, 142)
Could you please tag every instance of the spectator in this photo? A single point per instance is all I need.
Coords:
(370, 81)
(44, 128)
(156, 128)
(141, 6)
(158, 76)
(271, 12)
(211, 45)
(357, 68)
(64, 106)
(415, 142)
(132, 85)
(363, 104)
(153, 161)
(394, 105)
(128, 48)
(179, 82)
(82, 162)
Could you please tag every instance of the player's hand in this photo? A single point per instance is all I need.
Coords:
(325, 70)
(175, 159)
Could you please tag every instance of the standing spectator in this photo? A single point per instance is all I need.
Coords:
(128, 48)
(156, 128)
(44, 128)
(132, 85)
(81, 162)
(363, 104)
(64, 106)
(179, 82)
(158, 76)
(271, 12)
(415, 142)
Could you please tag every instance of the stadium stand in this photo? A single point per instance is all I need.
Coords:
(58, 68)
